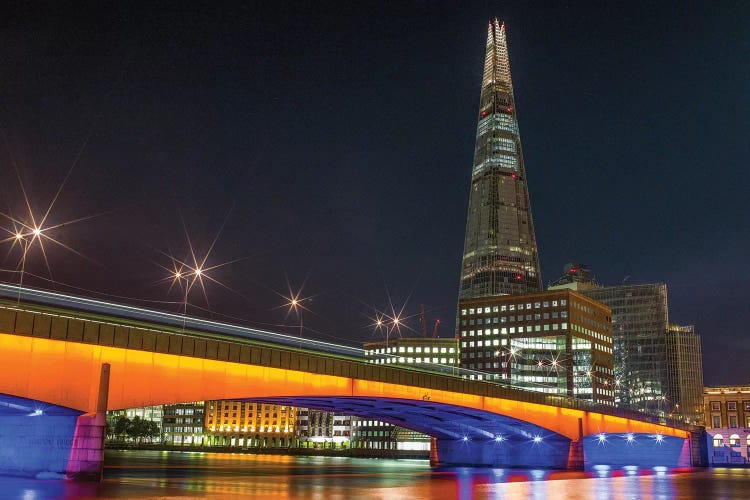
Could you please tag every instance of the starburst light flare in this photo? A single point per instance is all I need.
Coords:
(194, 270)
(33, 230)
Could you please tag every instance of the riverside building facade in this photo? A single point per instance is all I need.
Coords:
(250, 425)
(727, 417)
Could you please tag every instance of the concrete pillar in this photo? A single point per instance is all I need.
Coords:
(434, 458)
(86, 460)
(575, 455)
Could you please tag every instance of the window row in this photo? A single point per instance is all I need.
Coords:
(521, 329)
(513, 307)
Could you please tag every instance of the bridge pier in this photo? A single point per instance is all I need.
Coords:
(618, 450)
(86, 461)
(548, 452)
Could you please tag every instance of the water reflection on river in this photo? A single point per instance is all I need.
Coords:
(153, 474)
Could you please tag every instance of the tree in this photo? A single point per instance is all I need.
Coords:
(152, 430)
(122, 424)
(137, 429)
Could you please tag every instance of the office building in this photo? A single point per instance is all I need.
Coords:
(323, 429)
(557, 342)
(657, 366)
(685, 368)
(413, 351)
(182, 424)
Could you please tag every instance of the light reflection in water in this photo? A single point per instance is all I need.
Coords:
(139, 474)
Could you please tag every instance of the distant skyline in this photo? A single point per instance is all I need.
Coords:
(339, 139)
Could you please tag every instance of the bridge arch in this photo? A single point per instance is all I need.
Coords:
(438, 420)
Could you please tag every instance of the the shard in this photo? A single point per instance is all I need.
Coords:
(500, 253)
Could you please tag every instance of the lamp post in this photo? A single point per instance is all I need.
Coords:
(19, 238)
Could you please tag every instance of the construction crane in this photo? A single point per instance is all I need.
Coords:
(423, 323)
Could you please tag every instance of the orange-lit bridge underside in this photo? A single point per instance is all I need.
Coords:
(67, 373)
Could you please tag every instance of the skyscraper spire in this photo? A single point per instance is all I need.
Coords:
(496, 64)
(500, 253)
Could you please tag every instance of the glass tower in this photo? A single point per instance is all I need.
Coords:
(500, 253)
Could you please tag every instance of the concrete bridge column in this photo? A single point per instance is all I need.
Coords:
(434, 456)
(575, 455)
(86, 460)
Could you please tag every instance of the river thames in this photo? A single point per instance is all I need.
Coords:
(155, 474)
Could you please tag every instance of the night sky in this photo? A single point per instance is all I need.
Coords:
(336, 142)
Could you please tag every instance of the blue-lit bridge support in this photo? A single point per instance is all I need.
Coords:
(35, 438)
(43, 440)
(550, 451)
(623, 450)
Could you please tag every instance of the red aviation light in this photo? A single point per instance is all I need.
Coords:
(509, 109)
(518, 277)
(513, 175)
(574, 271)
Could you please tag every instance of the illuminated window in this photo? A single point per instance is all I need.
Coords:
(715, 406)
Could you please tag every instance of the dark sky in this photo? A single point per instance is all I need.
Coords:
(339, 139)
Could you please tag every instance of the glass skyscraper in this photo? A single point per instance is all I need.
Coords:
(500, 253)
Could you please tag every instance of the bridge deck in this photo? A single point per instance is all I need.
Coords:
(35, 320)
